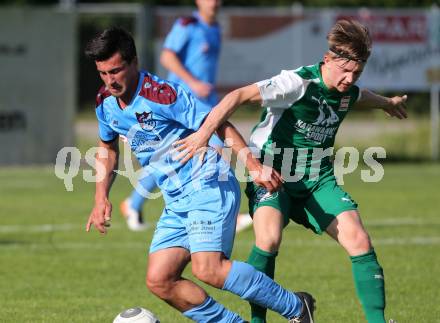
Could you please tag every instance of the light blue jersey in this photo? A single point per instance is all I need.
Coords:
(197, 45)
(202, 201)
(160, 113)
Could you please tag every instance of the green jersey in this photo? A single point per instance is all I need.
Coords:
(300, 122)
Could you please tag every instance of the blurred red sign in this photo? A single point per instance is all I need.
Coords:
(393, 28)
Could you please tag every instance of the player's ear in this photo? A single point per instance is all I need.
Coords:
(327, 57)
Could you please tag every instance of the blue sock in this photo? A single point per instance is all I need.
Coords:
(146, 185)
(256, 287)
(211, 311)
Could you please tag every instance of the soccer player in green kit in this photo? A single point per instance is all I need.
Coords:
(304, 108)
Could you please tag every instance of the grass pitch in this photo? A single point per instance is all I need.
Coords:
(51, 270)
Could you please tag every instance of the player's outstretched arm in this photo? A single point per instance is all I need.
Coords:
(262, 175)
(394, 106)
(190, 145)
(106, 163)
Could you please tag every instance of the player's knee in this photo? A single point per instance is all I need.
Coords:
(360, 241)
(159, 286)
(208, 274)
(270, 243)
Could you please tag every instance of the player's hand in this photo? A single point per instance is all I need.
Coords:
(100, 216)
(267, 177)
(397, 107)
(188, 147)
(201, 89)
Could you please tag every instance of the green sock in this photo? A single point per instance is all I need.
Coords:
(370, 285)
(263, 261)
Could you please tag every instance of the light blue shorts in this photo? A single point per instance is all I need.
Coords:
(201, 221)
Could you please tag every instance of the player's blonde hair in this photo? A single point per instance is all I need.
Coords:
(349, 39)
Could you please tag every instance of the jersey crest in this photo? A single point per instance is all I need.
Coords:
(345, 102)
(145, 120)
(161, 93)
(102, 94)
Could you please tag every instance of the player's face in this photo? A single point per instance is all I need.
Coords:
(119, 77)
(341, 74)
(208, 7)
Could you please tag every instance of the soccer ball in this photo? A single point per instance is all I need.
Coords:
(136, 315)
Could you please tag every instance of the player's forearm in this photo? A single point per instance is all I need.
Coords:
(103, 186)
(371, 100)
(106, 164)
(222, 111)
(235, 140)
(172, 63)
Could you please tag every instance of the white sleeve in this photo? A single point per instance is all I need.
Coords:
(282, 90)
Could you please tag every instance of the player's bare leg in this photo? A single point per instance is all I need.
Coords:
(268, 228)
(348, 230)
(164, 279)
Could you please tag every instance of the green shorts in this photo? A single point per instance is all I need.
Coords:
(314, 206)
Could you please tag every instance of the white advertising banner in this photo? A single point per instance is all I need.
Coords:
(258, 43)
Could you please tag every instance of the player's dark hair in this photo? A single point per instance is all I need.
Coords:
(350, 39)
(109, 42)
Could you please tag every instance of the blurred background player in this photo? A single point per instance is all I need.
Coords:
(190, 54)
(304, 109)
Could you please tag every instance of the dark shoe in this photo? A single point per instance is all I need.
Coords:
(308, 308)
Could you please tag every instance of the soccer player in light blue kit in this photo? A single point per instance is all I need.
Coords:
(190, 54)
(202, 197)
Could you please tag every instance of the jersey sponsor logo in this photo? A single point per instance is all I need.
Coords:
(345, 101)
(325, 125)
(142, 141)
(327, 117)
(145, 120)
(147, 138)
(315, 133)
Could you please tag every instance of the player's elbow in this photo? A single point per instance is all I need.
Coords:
(165, 58)
(247, 94)
(236, 97)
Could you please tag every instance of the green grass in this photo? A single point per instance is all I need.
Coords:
(51, 270)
